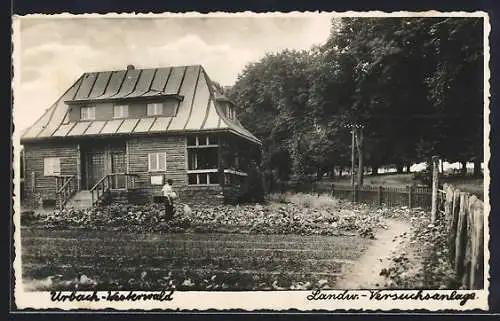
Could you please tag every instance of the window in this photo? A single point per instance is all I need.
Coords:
(203, 160)
(155, 109)
(87, 113)
(230, 111)
(120, 111)
(202, 140)
(157, 162)
(51, 166)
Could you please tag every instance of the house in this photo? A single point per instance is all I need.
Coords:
(118, 135)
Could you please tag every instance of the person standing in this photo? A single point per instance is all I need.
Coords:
(169, 196)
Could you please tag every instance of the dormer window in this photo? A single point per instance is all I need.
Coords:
(230, 111)
(87, 113)
(155, 109)
(120, 111)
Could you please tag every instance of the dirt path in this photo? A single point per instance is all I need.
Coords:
(365, 273)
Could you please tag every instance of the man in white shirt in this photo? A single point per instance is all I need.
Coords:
(169, 197)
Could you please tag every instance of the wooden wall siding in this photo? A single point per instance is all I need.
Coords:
(34, 156)
(173, 146)
(188, 91)
(88, 82)
(175, 80)
(161, 79)
(103, 111)
(74, 113)
(136, 110)
(100, 84)
(199, 108)
(114, 84)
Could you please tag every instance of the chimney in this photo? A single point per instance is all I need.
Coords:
(130, 67)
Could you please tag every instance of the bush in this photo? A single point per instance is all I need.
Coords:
(253, 187)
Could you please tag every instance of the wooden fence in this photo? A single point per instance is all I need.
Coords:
(410, 196)
(463, 215)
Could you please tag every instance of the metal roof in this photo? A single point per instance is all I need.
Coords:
(199, 109)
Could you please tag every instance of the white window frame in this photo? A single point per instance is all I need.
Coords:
(157, 156)
(202, 172)
(51, 166)
(155, 109)
(200, 143)
(229, 111)
(87, 113)
(123, 111)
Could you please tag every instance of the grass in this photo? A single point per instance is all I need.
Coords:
(470, 185)
(305, 200)
(467, 184)
(383, 179)
(190, 261)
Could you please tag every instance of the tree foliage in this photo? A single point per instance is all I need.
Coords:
(416, 84)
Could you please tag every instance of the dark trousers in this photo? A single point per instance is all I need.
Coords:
(169, 207)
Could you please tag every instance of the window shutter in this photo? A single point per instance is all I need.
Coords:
(51, 166)
(57, 166)
(152, 162)
(162, 159)
(46, 166)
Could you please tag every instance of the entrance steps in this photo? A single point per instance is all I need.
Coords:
(81, 200)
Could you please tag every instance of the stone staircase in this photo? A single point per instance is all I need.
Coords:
(81, 200)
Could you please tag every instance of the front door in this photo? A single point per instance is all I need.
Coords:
(95, 167)
(118, 165)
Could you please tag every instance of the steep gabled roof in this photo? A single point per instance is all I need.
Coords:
(198, 110)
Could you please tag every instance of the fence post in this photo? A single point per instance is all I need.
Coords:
(354, 192)
(460, 239)
(410, 196)
(379, 195)
(333, 190)
(435, 173)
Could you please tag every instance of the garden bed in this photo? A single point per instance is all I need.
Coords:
(293, 214)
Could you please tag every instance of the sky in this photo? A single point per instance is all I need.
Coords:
(54, 52)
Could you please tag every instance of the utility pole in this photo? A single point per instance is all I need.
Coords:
(356, 143)
(435, 186)
(353, 158)
(360, 154)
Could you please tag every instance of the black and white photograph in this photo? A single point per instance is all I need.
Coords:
(251, 161)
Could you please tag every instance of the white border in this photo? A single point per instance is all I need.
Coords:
(251, 301)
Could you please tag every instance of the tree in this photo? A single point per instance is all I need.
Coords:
(273, 95)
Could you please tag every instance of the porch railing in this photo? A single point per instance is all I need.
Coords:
(103, 187)
(66, 187)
